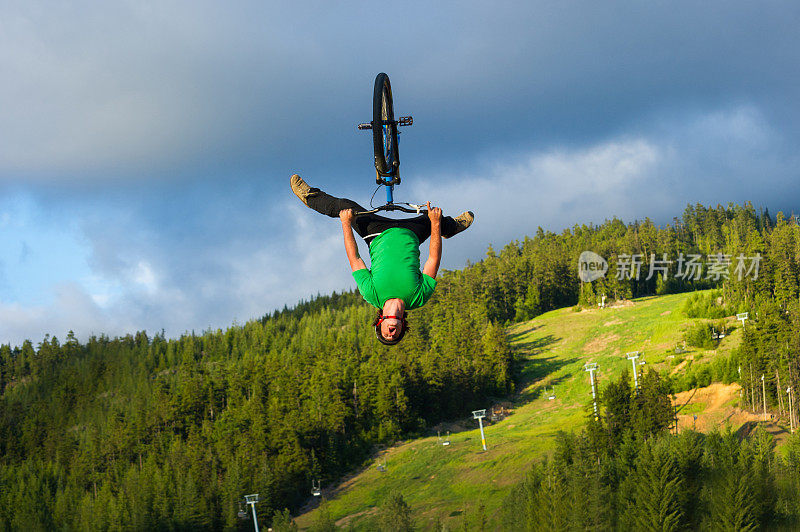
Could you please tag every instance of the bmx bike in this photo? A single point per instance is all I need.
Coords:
(384, 139)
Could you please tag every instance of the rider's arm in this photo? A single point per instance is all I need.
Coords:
(350, 241)
(431, 267)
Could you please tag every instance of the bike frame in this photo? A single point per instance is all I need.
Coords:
(389, 194)
(387, 177)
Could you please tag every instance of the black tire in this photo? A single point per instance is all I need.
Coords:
(384, 130)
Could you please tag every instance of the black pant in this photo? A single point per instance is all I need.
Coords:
(368, 226)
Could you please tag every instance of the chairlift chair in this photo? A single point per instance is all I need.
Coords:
(447, 440)
(316, 488)
(552, 394)
(242, 514)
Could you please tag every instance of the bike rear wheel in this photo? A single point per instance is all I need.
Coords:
(384, 130)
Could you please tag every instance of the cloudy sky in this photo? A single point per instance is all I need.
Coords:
(145, 147)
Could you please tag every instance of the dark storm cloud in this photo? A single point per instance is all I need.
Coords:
(197, 89)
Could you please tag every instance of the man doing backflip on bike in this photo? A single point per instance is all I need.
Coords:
(395, 283)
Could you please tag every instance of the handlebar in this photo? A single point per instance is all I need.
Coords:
(417, 209)
(402, 121)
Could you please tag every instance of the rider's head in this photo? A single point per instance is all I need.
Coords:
(390, 328)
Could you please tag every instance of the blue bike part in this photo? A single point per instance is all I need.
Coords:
(389, 191)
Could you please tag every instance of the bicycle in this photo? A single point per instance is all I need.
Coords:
(384, 138)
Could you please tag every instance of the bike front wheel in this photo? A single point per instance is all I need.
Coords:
(384, 130)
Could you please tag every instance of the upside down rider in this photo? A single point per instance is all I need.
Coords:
(395, 283)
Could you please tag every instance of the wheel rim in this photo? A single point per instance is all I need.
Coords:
(387, 132)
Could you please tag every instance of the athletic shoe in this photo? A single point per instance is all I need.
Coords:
(463, 221)
(301, 188)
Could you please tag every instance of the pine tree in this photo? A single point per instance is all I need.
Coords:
(395, 514)
(283, 522)
(656, 504)
(729, 494)
(323, 521)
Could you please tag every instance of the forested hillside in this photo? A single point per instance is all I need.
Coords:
(149, 432)
(154, 432)
(627, 472)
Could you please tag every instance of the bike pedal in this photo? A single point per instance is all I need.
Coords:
(405, 120)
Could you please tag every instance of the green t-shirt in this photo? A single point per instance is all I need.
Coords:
(394, 255)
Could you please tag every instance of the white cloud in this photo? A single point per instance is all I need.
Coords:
(552, 189)
(71, 309)
(144, 276)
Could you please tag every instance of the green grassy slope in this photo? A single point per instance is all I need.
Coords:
(444, 482)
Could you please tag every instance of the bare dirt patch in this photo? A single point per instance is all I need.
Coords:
(621, 304)
(666, 313)
(714, 396)
(718, 411)
(599, 343)
(613, 322)
(678, 368)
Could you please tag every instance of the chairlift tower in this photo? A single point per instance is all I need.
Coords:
(591, 368)
(633, 356)
(252, 500)
(479, 415)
